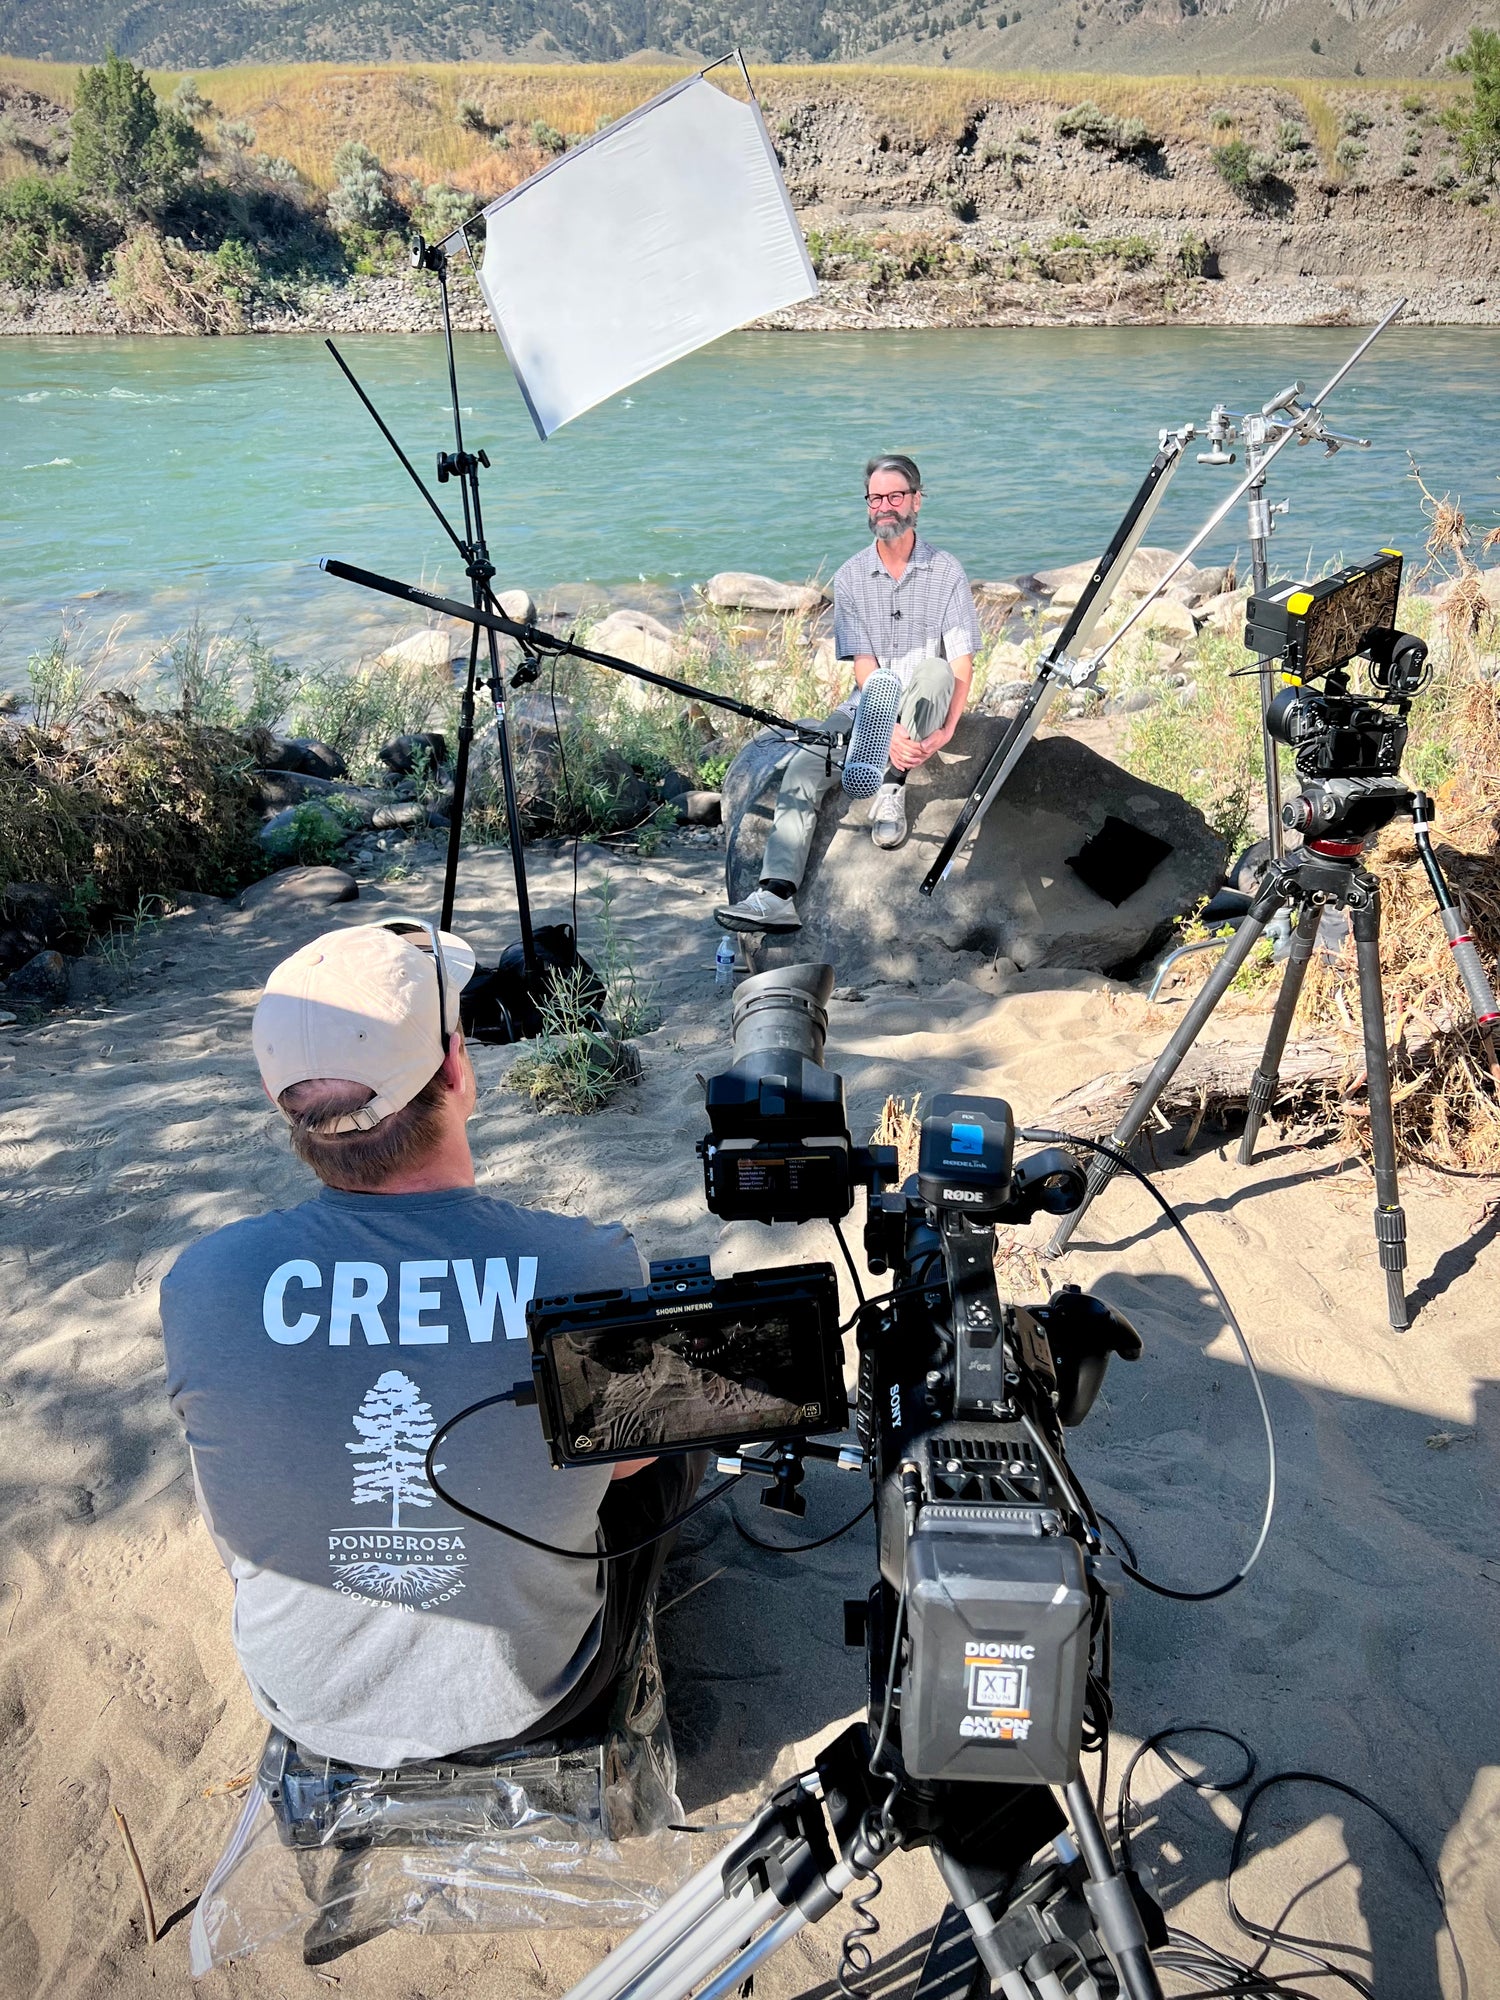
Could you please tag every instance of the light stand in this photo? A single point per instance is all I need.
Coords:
(484, 616)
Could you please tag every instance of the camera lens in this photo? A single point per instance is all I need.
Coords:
(786, 1009)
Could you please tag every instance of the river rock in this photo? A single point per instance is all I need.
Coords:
(644, 641)
(422, 651)
(517, 604)
(31, 920)
(997, 598)
(403, 753)
(1143, 572)
(279, 789)
(306, 755)
(1167, 619)
(300, 888)
(1225, 613)
(41, 982)
(742, 590)
(1010, 892)
(407, 812)
(700, 808)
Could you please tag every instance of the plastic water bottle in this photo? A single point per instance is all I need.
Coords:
(724, 965)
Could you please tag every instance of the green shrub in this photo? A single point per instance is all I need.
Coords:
(1291, 138)
(1220, 118)
(470, 117)
(224, 680)
(128, 155)
(48, 237)
(129, 804)
(1193, 255)
(315, 833)
(574, 1063)
(1355, 122)
(1251, 174)
(1413, 104)
(1102, 133)
(1348, 153)
(1477, 125)
(362, 199)
(546, 138)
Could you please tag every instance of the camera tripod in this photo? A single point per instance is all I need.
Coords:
(1322, 874)
(824, 1831)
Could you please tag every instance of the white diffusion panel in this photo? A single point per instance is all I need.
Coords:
(669, 229)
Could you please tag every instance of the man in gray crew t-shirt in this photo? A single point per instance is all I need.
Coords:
(312, 1352)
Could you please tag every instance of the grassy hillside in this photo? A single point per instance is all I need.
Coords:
(409, 113)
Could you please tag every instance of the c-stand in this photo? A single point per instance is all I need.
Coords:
(483, 615)
(1066, 663)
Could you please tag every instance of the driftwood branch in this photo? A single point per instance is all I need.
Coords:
(1214, 1078)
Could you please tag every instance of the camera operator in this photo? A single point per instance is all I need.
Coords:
(312, 1352)
(903, 605)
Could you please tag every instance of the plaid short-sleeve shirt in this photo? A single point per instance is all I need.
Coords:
(928, 613)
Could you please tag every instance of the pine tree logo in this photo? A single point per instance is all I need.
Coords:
(395, 1428)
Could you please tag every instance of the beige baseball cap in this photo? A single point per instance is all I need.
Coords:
(372, 1004)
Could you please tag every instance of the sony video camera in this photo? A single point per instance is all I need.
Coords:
(992, 1589)
(1348, 745)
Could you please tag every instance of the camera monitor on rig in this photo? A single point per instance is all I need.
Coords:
(687, 1361)
(1318, 627)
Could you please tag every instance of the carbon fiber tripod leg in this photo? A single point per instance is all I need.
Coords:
(1263, 1083)
(1390, 1217)
(1272, 894)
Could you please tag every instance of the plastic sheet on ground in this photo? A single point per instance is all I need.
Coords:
(552, 1837)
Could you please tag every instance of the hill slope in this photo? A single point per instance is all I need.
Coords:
(1287, 37)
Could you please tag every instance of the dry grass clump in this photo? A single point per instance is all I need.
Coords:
(126, 806)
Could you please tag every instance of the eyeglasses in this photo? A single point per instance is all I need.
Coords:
(881, 499)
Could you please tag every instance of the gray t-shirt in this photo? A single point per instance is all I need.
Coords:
(311, 1354)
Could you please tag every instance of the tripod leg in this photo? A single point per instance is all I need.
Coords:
(1272, 895)
(1263, 1083)
(1006, 1975)
(1390, 1218)
(1116, 1917)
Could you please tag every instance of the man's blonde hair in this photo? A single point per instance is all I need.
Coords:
(360, 1162)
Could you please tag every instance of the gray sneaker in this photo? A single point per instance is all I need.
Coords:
(888, 816)
(760, 911)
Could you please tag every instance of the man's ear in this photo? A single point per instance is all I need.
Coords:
(454, 1061)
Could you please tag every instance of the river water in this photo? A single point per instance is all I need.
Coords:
(145, 479)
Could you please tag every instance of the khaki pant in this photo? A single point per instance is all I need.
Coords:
(806, 781)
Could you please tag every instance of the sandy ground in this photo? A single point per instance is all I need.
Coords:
(1364, 1645)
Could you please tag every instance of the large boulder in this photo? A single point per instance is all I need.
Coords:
(1011, 892)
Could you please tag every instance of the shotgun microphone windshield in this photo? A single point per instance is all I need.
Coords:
(870, 740)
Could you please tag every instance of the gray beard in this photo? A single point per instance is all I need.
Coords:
(891, 531)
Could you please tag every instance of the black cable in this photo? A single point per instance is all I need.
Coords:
(1191, 1955)
(594, 1555)
(1119, 1534)
(1122, 1159)
(859, 1290)
(1279, 1940)
(798, 1548)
